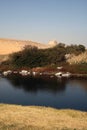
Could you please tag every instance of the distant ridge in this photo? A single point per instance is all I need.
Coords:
(8, 46)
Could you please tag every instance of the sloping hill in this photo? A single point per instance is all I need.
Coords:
(81, 58)
(8, 46)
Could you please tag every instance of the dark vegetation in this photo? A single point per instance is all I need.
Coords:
(32, 57)
(75, 49)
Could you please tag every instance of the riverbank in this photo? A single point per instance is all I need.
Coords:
(14, 117)
(50, 74)
(79, 76)
(73, 71)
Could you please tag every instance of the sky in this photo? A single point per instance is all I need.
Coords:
(44, 20)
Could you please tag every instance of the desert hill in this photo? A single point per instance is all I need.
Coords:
(8, 46)
(80, 59)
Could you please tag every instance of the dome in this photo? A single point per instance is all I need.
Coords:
(53, 43)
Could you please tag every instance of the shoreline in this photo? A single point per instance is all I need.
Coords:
(79, 76)
(43, 74)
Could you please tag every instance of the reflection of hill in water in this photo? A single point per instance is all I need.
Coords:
(81, 82)
(34, 84)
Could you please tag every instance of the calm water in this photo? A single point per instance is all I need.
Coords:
(70, 93)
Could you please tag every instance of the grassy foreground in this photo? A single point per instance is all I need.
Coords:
(13, 117)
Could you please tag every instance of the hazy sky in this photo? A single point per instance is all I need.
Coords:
(44, 20)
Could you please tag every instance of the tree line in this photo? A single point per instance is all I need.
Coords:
(34, 57)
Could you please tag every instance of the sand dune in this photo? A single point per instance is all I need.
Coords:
(8, 46)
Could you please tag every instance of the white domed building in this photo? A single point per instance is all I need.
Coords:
(52, 43)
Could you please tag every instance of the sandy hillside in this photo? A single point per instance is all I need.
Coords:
(81, 58)
(8, 46)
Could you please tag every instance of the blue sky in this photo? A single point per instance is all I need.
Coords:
(44, 20)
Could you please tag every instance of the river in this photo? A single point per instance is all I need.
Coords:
(45, 91)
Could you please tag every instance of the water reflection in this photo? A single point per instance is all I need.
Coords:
(44, 91)
(80, 83)
(33, 84)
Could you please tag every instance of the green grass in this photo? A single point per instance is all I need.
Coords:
(14, 117)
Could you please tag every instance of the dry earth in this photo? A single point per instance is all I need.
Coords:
(14, 117)
(8, 46)
(81, 58)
